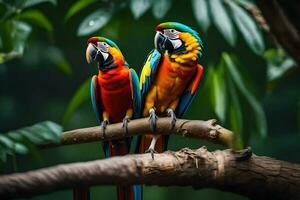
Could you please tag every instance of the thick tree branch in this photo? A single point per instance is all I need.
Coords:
(208, 130)
(285, 33)
(256, 177)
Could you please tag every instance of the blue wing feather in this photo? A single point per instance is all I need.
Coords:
(149, 69)
(137, 102)
(185, 101)
(189, 93)
(96, 98)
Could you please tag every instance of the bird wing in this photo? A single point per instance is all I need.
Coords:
(187, 96)
(148, 72)
(136, 94)
(96, 98)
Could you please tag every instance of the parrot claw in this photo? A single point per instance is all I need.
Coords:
(243, 154)
(126, 120)
(152, 119)
(152, 151)
(171, 114)
(104, 124)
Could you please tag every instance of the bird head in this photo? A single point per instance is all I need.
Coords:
(105, 52)
(177, 39)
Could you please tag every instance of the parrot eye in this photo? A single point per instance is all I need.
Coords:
(171, 33)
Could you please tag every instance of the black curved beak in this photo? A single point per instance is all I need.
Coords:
(93, 53)
(162, 43)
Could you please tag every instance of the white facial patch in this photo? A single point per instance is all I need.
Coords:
(105, 55)
(103, 47)
(171, 34)
(176, 43)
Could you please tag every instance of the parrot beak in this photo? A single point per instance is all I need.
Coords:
(93, 53)
(162, 43)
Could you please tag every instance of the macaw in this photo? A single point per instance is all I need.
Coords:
(169, 79)
(115, 97)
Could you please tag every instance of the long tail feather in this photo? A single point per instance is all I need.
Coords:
(81, 193)
(118, 148)
(138, 192)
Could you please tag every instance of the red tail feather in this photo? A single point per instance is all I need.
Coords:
(125, 193)
(117, 149)
(81, 193)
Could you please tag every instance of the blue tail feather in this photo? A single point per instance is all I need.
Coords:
(137, 192)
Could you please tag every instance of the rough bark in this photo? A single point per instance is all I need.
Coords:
(282, 28)
(257, 177)
(208, 130)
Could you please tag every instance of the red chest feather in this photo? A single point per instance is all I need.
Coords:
(115, 93)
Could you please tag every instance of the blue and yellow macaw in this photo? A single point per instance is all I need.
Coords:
(115, 97)
(169, 79)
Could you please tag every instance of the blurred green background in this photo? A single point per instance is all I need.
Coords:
(250, 85)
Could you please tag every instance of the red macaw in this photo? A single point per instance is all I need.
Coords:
(169, 79)
(115, 97)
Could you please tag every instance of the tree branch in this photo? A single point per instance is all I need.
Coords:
(208, 130)
(256, 177)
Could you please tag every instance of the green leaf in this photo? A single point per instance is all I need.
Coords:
(248, 28)
(20, 141)
(222, 21)
(32, 135)
(6, 38)
(94, 22)
(139, 7)
(218, 90)
(78, 6)
(29, 3)
(36, 17)
(20, 148)
(160, 8)
(7, 143)
(278, 63)
(14, 35)
(80, 96)
(10, 146)
(20, 33)
(235, 115)
(256, 106)
(38, 133)
(56, 56)
(201, 13)
(53, 130)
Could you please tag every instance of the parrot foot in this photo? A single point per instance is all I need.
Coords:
(126, 120)
(104, 124)
(152, 119)
(152, 151)
(151, 148)
(171, 114)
